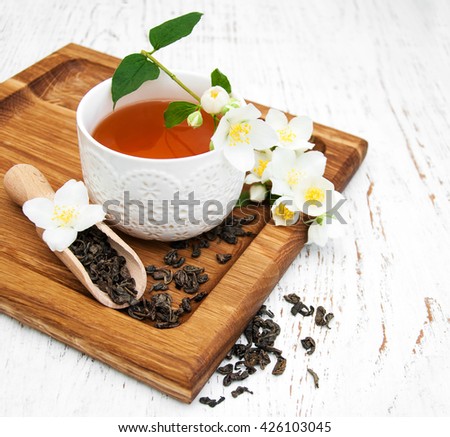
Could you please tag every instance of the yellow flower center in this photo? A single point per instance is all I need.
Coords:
(292, 177)
(239, 133)
(64, 215)
(286, 135)
(284, 212)
(262, 164)
(214, 93)
(314, 194)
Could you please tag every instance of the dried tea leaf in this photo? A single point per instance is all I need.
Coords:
(263, 311)
(322, 318)
(211, 402)
(201, 279)
(158, 286)
(236, 376)
(292, 298)
(309, 344)
(239, 390)
(179, 262)
(301, 308)
(315, 377)
(200, 296)
(223, 258)
(171, 257)
(280, 366)
(225, 370)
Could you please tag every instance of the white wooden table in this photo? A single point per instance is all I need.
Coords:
(378, 69)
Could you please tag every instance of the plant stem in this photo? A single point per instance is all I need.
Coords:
(171, 75)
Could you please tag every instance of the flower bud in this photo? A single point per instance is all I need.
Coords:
(214, 99)
(258, 193)
(232, 104)
(195, 119)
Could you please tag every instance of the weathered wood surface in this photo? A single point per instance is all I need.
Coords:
(377, 69)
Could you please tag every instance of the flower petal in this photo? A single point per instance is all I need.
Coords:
(258, 193)
(89, 215)
(72, 193)
(40, 212)
(317, 234)
(300, 145)
(240, 156)
(251, 178)
(239, 115)
(276, 119)
(59, 239)
(282, 162)
(312, 163)
(280, 187)
(262, 136)
(302, 126)
(219, 138)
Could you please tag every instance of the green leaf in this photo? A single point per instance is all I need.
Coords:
(132, 72)
(244, 199)
(273, 198)
(173, 30)
(218, 78)
(177, 112)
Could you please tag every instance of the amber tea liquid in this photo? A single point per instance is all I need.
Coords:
(139, 130)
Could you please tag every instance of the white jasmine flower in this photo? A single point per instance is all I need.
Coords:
(287, 169)
(320, 231)
(65, 216)
(195, 119)
(284, 211)
(260, 171)
(292, 134)
(258, 193)
(214, 99)
(239, 132)
(314, 196)
(329, 225)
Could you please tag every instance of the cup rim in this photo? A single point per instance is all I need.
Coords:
(83, 129)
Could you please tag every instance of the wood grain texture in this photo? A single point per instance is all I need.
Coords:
(377, 69)
(178, 361)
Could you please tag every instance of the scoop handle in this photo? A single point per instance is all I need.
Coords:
(23, 182)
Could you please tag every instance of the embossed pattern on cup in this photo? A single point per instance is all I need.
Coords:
(154, 182)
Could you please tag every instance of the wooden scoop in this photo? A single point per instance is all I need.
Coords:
(23, 182)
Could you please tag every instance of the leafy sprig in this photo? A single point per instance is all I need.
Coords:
(137, 68)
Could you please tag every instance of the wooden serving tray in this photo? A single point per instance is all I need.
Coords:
(37, 122)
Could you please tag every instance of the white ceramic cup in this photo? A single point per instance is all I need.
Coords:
(141, 193)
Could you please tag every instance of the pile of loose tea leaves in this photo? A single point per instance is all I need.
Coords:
(260, 335)
(107, 269)
(188, 278)
(230, 230)
(159, 307)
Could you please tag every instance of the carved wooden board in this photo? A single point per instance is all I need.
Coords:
(37, 122)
